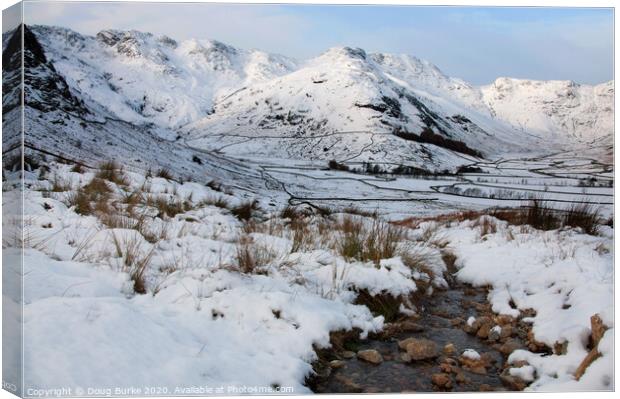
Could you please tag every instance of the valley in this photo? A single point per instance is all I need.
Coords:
(244, 219)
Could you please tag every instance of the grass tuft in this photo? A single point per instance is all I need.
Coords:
(245, 210)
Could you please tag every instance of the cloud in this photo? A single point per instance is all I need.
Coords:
(252, 26)
(476, 44)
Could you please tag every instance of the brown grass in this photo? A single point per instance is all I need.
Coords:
(486, 224)
(134, 261)
(112, 172)
(165, 173)
(245, 210)
(77, 168)
(367, 243)
(250, 256)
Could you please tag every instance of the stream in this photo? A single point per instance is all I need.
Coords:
(443, 315)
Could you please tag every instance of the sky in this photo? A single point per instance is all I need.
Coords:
(477, 44)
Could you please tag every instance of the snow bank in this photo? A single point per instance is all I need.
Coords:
(564, 276)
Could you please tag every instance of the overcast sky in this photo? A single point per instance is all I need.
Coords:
(474, 43)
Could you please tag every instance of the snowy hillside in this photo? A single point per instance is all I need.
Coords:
(344, 104)
(140, 77)
(553, 108)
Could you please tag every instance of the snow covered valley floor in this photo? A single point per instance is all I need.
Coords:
(141, 280)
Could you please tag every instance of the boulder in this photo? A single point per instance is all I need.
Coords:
(449, 349)
(420, 349)
(370, 356)
(441, 380)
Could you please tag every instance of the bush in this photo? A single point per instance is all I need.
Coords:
(335, 165)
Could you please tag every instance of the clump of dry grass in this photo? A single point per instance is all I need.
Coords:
(418, 258)
(168, 207)
(486, 224)
(291, 213)
(367, 243)
(59, 185)
(112, 172)
(134, 260)
(219, 202)
(77, 168)
(584, 216)
(384, 304)
(250, 256)
(215, 185)
(165, 173)
(303, 236)
(91, 198)
(246, 210)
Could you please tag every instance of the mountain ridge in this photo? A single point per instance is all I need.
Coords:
(345, 103)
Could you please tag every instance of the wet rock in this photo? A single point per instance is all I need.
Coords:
(370, 356)
(407, 326)
(410, 326)
(446, 368)
(504, 319)
(485, 388)
(405, 357)
(560, 348)
(457, 322)
(534, 345)
(509, 346)
(483, 331)
(507, 331)
(482, 307)
(449, 349)
(349, 384)
(441, 380)
(469, 291)
(495, 334)
(419, 349)
(336, 364)
(511, 382)
(451, 361)
(460, 378)
(519, 363)
(472, 361)
(348, 354)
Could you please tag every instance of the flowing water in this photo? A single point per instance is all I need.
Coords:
(394, 375)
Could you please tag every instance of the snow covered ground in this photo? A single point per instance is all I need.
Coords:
(165, 284)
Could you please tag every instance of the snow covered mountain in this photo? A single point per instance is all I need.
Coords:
(344, 104)
(553, 108)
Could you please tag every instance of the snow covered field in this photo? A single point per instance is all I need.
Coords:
(150, 271)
